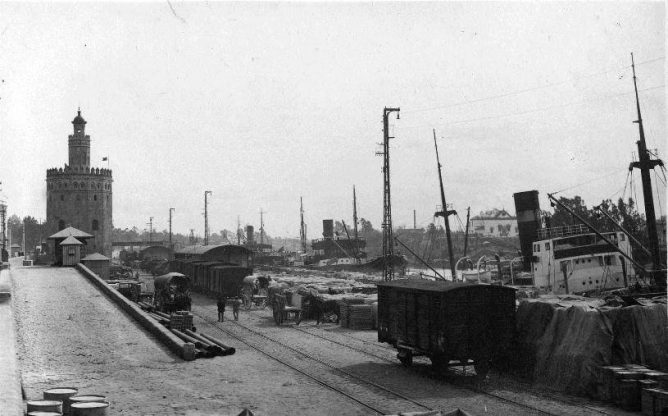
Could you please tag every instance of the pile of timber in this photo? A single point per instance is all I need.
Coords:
(205, 346)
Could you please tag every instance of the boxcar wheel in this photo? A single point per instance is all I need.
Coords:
(481, 367)
(405, 356)
(248, 302)
(440, 363)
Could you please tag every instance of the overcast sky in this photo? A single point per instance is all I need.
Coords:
(262, 103)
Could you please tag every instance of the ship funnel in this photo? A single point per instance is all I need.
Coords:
(328, 228)
(528, 223)
(250, 234)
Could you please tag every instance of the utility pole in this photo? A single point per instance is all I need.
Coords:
(445, 213)
(3, 218)
(645, 163)
(357, 240)
(414, 221)
(302, 227)
(388, 240)
(171, 246)
(239, 231)
(261, 227)
(206, 218)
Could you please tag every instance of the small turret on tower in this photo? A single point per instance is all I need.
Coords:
(79, 144)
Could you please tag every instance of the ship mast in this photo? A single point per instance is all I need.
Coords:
(445, 213)
(645, 163)
(302, 227)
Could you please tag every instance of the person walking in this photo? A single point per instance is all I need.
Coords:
(235, 308)
(221, 308)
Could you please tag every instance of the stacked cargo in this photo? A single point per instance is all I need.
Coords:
(634, 387)
(181, 320)
(345, 305)
(360, 317)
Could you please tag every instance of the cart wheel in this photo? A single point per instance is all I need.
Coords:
(481, 367)
(277, 314)
(406, 357)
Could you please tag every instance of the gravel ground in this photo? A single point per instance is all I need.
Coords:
(71, 335)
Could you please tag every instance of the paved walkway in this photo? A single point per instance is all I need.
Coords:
(11, 401)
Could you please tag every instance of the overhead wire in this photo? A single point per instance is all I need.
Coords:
(522, 91)
(585, 183)
(535, 110)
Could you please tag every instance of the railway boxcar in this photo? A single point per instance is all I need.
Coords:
(447, 321)
(215, 270)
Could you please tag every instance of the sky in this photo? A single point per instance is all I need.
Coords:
(264, 103)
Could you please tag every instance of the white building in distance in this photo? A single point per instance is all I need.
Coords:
(494, 223)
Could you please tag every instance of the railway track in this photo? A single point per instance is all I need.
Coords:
(388, 355)
(378, 398)
(367, 393)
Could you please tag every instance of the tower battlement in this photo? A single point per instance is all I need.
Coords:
(77, 170)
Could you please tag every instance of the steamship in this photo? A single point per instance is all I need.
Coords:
(570, 259)
(337, 253)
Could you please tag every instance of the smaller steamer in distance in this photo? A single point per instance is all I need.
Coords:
(447, 321)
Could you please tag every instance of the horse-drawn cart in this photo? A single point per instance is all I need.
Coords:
(284, 312)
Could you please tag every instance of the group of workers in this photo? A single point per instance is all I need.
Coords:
(222, 301)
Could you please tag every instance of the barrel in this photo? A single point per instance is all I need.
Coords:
(87, 398)
(45, 406)
(63, 394)
(89, 409)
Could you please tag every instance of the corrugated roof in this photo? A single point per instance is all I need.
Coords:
(95, 256)
(71, 241)
(70, 231)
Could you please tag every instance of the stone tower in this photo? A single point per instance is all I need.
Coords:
(79, 195)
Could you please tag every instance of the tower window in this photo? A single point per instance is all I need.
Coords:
(94, 197)
(95, 225)
(62, 198)
(61, 225)
(75, 185)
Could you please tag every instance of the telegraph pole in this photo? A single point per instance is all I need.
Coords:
(171, 247)
(239, 230)
(388, 240)
(357, 241)
(206, 218)
(302, 227)
(645, 163)
(261, 227)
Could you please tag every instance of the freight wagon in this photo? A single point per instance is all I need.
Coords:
(447, 321)
(214, 270)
